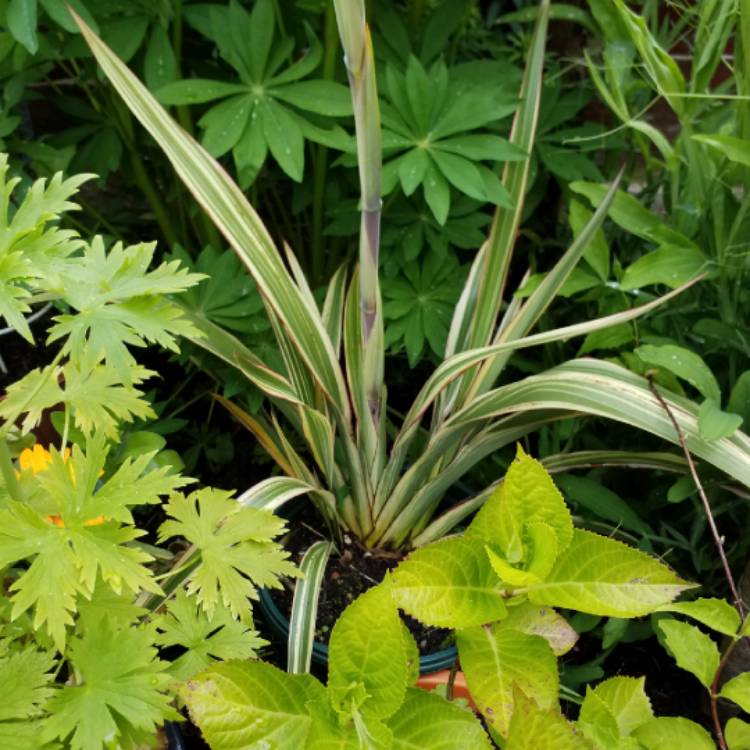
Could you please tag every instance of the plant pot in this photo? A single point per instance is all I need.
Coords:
(438, 679)
(279, 623)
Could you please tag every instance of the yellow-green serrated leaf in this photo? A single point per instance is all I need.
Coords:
(367, 657)
(240, 705)
(527, 494)
(693, 650)
(544, 621)
(497, 660)
(533, 728)
(426, 720)
(449, 584)
(627, 700)
(597, 722)
(737, 734)
(738, 690)
(605, 577)
(717, 614)
(673, 733)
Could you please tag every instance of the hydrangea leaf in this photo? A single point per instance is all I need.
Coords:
(738, 690)
(498, 661)
(205, 640)
(449, 583)
(673, 733)
(251, 704)
(526, 494)
(120, 689)
(367, 657)
(601, 576)
(429, 721)
(533, 728)
(236, 547)
(737, 734)
(692, 649)
(543, 621)
(717, 614)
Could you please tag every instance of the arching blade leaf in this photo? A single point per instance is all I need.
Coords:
(305, 608)
(225, 203)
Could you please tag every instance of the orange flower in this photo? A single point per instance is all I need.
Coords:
(37, 459)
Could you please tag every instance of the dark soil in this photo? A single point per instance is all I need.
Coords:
(348, 575)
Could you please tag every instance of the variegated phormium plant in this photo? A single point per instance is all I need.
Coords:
(380, 480)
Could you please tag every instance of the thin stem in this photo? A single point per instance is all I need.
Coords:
(714, 695)
(451, 681)
(718, 538)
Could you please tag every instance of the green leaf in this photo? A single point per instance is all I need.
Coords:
(225, 123)
(461, 173)
(221, 637)
(412, 168)
(739, 398)
(684, 364)
(481, 147)
(322, 97)
(121, 688)
(542, 621)
(160, 64)
(437, 194)
(261, 36)
(737, 734)
(367, 658)
(27, 685)
(735, 149)
(526, 494)
(738, 690)
(235, 544)
(605, 577)
(671, 265)
(717, 614)
(20, 16)
(626, 699)
(673, 733)
(284, 138)
(426, 720)
(57, 10)
(197, 91)
(118, 302)
(693, 650)
(628, 213)
(597, 252)
(449, 584)
(251, 704)
(601, 501)
(714, 423)
(533, 728)
(496, 660)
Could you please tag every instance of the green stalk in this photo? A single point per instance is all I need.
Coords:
(360, 65)
(331, 43)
